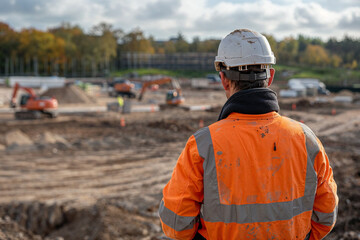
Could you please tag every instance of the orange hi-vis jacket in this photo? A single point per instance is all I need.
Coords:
(251, 176)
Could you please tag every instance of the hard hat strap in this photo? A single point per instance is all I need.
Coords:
(249, 77)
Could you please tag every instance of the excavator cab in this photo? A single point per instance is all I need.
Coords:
(122, 87)
(24, 99)
(173, 97)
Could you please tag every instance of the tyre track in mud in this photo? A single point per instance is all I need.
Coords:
(88, 177)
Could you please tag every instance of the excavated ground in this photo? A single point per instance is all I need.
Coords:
(86, 177)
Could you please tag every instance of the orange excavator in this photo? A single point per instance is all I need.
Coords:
(173, 97)
(122, 87)
(33, 106)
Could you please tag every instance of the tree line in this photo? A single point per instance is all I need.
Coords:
(69, 48)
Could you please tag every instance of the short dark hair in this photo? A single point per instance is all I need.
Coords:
(243, 85)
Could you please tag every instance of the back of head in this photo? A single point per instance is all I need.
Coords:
(245, 57)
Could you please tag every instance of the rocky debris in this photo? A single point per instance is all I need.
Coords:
(10, 230)
(69, 94)
(38, 218)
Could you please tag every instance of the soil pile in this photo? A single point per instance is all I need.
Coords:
(51, 138)
(53, 222)
(345, 93)
(17, 139)
(106, 222)
(69, 94)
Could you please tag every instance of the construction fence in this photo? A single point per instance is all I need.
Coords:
(88, 67)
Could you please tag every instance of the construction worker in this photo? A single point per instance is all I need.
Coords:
(253, 174)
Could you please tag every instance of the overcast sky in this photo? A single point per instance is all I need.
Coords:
(203, 18)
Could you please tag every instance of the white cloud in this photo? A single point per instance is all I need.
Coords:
(165, 18)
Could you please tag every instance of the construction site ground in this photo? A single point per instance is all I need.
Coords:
(87, 176)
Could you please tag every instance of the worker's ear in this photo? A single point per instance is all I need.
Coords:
(272, 74)
(225, 82)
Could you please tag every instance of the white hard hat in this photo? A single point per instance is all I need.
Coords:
(244, 47)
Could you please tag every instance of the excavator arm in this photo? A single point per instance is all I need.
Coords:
(159, 81)
(17, 87)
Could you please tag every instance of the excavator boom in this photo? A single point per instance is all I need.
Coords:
(17, 87)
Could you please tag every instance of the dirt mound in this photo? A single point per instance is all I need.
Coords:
(51, 138)
(345, 93)
(17, 138)
(106, 222)
(303, 103)
(69, 94)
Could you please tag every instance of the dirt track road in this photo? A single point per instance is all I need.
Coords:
(86, 177)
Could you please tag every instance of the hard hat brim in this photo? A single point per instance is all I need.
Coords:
(249, 60)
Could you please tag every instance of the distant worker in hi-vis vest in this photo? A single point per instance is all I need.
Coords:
(253, 174)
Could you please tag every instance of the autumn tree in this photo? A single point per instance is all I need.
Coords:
(33, 42)
(181, 45)
(9, 41)
(194, 46)
(209, 45)
(106, 40)
(315, 55)
(287, 50)
(273, 43)
(69, 33)
(169, 47)
(135, 41)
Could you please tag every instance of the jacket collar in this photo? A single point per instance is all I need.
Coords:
(250, 101)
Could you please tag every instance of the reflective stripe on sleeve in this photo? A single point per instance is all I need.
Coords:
(327, 219)
(177, 222)
(214, 211)
(312, 149)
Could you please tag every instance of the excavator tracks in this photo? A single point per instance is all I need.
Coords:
(28, 115)
(21, 115)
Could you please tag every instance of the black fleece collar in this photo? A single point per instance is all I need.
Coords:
(250, 101)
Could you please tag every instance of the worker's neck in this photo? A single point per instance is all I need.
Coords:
(231, 91)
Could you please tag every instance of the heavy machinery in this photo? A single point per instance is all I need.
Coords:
(173, 97)
(121, 87)
(33, 106)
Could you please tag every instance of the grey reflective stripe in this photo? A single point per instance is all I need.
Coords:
(327, 219)
(214, 211)
(312, 149)
(179, 223)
